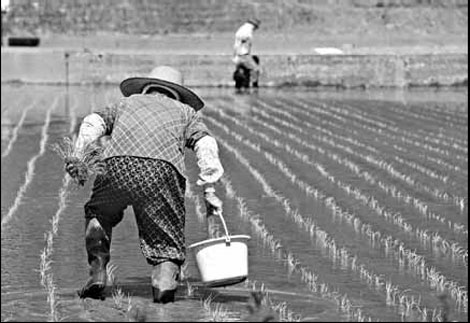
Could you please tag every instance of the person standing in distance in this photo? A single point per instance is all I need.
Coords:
(242, 49)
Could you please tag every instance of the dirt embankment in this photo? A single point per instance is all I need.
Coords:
(160, 17)
(384, 42)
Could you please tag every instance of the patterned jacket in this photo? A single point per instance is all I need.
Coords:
(153, 126)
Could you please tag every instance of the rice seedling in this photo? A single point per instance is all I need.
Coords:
(88, 164)
(47, 281)
(122, 302)
(184, 277)
(216, 311)
(119, 299)
(45, 262)
(110, 273)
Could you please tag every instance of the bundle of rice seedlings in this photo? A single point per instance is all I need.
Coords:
(80, 168)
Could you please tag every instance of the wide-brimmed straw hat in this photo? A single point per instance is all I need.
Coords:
(165, 78)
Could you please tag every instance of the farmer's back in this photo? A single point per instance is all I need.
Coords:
(151, 126)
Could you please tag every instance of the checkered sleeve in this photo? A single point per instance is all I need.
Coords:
(195, 130)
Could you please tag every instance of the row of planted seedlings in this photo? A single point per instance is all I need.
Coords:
(371, 179)
(416, 144)
(216, 311)
(369, 124)
(397, 126)
(402, 254)
(418, 166)
(352, 140)
(17, 128)
(45, 264)
(440, 163)
(445, 111)
(433, 239)
(415, 202)
(360, 172)
(330, 201)
(413, 258)
(378, 161)
(393, 191)
(324, 240)
(437, 163)
(64, 150)
(420, 233)
(427, 171)
(439, 118)
(389, 189)
(31, 166)
(443, 147)
(377, 132)
(291, 261)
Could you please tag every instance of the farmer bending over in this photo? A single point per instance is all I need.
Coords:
(242, 49)
(149, 129)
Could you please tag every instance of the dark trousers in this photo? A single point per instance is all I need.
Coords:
(156, 191)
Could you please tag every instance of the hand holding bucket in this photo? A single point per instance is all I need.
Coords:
(213, 203)
(213, 208)
(222, 261)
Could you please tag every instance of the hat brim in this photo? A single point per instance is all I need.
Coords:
(254, 23)
(134, 85)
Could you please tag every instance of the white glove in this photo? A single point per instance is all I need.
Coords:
(213, 203)
(92, 128)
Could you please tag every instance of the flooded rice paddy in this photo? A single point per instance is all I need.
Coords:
(356, 204)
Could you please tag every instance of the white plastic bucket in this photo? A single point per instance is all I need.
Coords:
(222, 261)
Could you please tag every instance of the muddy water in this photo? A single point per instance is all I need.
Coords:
(426, 129)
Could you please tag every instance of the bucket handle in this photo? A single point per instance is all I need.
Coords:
(227, 236)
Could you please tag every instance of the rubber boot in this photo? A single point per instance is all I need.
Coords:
(165, 278)
(97, 247)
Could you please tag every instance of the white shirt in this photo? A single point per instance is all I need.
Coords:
(243, 39)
